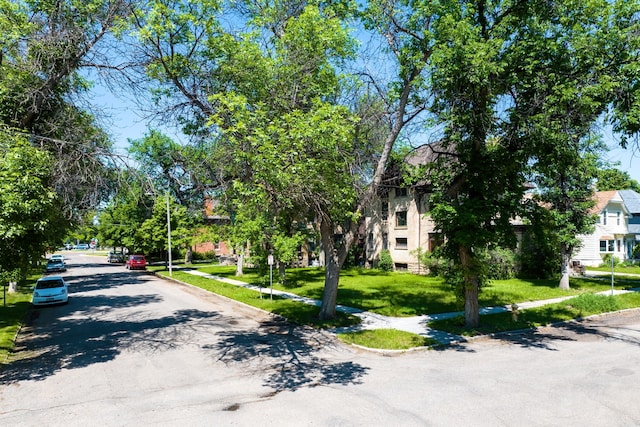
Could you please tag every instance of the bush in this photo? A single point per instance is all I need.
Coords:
(385, 263)
(203, 256)
(606, 260)
(539, 257)
(500, 264)
(436, 265)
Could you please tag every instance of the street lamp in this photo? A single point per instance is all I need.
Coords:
(169, 234)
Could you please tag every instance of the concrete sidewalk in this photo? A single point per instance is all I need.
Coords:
(414, 324)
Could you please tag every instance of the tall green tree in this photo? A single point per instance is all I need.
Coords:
(565, 192)
(31, 219)
(44, 45)
(282, 148)
(512, 82)
(615, 179)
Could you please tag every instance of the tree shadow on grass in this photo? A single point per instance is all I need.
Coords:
(289, 357)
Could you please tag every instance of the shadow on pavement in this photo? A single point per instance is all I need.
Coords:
(102, 281)
(96, 327)
(287, 355)
(612, 326)
(79, 342)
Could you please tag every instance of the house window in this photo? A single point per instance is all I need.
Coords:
(604, 217)
(401, 243)
(401, 192)
(385, 241)
(401, 266)
(401, 219)
(435, 240)
(618, 218)
(607, 245)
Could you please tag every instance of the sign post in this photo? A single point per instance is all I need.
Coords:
(612, 273)
(270, 262)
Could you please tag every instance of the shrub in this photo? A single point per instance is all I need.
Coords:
(538, 257)
(606, 260)
(385, 263)
(500, 264)
(202, 256)
(436, 264)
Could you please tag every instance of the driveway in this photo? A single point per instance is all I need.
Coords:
(131, 349)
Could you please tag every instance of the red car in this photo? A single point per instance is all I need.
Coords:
(136, 261)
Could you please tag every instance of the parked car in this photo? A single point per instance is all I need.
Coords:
(59, 257)
(115, 256)
(136, 262)
(55, 265)
(50, 290)
(82, 247)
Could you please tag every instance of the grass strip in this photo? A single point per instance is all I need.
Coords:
(12, 315)
(293, 311)
(404, 294)
(387, 339)
(574, 308)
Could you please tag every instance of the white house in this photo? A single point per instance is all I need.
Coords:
(617, 230)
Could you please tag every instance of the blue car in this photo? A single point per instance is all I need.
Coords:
(55, 265)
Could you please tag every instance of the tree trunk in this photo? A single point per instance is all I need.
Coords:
(240, 263)
(188, 256)
(333, 264)
(564, 277)
(330, 292)
(282, 271)
(471, 306)
(471, 288)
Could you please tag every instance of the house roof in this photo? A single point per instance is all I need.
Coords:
(602, 199)
(419, 156)
(631, 200)
(428, 153)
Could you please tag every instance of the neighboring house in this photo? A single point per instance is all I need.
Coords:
(399, 224)
(398, 219)
(617, 230)
(220, 249)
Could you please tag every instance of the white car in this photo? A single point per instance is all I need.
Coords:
(50, 290)
(57, 257)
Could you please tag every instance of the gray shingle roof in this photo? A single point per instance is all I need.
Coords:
(631, 200)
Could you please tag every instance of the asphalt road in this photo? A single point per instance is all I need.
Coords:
(130, 349)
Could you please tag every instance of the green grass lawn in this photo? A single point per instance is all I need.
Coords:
(581, 306)
(620, 268)
(405, 294)
(387, 339)
(294, 311)
(12, 314)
